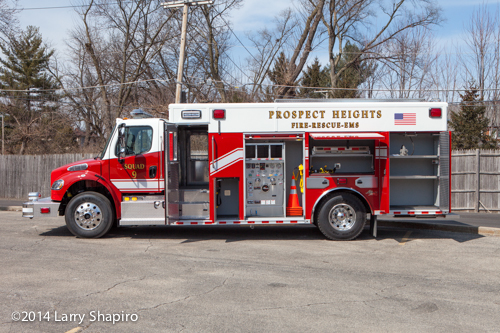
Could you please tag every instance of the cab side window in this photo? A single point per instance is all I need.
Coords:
(138, 140)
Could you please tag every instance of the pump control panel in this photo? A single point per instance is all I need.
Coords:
(265, 188)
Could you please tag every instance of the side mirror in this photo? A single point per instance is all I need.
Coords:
(122, 152)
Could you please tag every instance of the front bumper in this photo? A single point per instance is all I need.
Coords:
(41, 208)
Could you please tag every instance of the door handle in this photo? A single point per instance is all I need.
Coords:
(152, 171)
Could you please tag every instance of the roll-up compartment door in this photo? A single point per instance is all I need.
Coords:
(444, 171)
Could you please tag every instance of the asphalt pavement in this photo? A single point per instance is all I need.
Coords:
(241, 279)
(474, 223)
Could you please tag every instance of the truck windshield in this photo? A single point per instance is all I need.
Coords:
(107, 143)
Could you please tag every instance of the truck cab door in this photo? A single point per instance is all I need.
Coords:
(171, 167)
(136, 164)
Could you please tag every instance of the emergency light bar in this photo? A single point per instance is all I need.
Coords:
(139, 114)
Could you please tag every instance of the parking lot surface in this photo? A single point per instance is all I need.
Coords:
(237, 279)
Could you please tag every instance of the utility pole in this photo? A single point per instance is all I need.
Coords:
(185, 4)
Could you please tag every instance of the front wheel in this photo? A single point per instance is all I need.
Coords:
(89, 215)
(342, 217)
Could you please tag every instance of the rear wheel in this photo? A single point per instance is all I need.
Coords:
(342, 217)
(89, 215)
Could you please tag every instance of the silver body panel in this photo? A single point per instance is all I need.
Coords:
(31, 209)
(146, 210)
(194, 204)
(317, 182)
(195, 211)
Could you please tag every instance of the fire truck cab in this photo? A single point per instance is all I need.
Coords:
(334, 163)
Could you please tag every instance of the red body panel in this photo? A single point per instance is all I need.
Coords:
(92, 174)
(313, 195)
(132, 175)
(377, 196)
(71, 177)
(226, 161)
(383, 172)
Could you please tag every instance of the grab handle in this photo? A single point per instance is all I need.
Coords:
(213, 152)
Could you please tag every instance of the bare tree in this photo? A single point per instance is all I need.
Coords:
(120, 38)
(9, 23)
(356, 20)
(301, 44)
(407, 68)
(445, 76)
(480, 58)
(210, 33)
(268, 43)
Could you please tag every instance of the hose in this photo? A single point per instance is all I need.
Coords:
(301, 173)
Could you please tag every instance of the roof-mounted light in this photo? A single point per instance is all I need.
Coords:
(139, 114)
(191, 114)
(219, 114)
(435, 112)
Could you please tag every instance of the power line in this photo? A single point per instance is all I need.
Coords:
(229, 27)
(66, 7)
(85, 87)
(250, 83)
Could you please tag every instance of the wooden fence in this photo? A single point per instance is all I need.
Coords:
(21, 174)
(475, 177)
(475, 183)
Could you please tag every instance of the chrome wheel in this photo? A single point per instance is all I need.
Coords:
(342, 217)
(88, 216)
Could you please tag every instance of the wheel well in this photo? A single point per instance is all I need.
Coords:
(334, 193)
(84, 186)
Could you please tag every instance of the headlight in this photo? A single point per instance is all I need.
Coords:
(78, 167)
(58, 184)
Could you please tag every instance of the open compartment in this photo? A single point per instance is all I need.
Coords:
(192, 197)
(341, 156)
(269, 165)
(419, 165)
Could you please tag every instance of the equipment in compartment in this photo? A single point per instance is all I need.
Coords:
(341, 150)
(227, 198)
(330, 159)
(265, 179)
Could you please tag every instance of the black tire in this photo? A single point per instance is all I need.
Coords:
(342, 217)
(89, 215)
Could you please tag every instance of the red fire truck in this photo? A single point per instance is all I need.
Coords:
(333, 163)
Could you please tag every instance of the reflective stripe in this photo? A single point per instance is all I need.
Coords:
(135, 185)
(226, 160)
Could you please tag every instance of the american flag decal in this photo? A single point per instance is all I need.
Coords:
(405, 119)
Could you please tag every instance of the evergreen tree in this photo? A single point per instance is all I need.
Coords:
(470, 123)
(354, 75)
(314, 76)
(29, 93)
(278, 74)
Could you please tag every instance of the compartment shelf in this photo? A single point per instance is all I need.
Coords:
(414, 177)
(342, 155)
(414, 208)
(413, 156)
